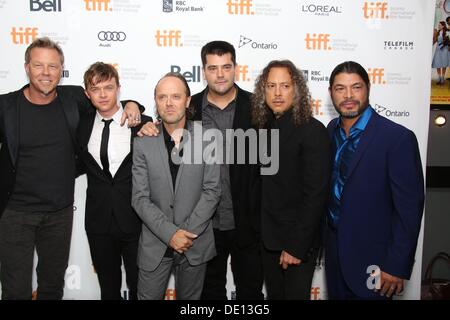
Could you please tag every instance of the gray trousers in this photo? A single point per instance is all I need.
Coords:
(189, 279)
(22, 232)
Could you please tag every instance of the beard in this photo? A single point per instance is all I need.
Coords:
(352, 113)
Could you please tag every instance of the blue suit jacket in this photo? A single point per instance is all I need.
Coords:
(381, 205)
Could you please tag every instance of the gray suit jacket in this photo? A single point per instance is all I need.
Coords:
(163, 211)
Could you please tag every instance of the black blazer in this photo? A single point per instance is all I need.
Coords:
(74, 103)
(294, 199)
(106, 197)
(245, 200)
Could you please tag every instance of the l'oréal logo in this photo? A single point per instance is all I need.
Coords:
(320, 10)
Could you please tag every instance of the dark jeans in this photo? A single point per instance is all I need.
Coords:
(245, 264)
(107, 251)
(294, 283)
(22, 232)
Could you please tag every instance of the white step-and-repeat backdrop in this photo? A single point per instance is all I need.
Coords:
(146, 39)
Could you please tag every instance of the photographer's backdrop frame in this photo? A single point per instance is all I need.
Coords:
(146, 39)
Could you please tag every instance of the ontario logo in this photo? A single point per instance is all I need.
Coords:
(244, 41)
(388, 112)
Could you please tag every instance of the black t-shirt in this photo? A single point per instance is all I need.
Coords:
(46, 161)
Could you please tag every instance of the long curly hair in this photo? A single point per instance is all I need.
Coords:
(301, 109)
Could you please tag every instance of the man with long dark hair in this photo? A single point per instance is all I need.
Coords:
(377, 194)
(293, 199)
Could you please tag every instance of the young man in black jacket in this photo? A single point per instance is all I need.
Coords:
(112, 226)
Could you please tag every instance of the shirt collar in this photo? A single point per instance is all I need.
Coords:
(206, 103)
(116, 117)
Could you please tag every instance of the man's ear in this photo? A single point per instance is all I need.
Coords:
(87, 94)
(188, 102)
(27, 69)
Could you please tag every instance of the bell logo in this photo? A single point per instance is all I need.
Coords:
(48, 5)
(240, 7)
(98, 5)
(319, 41)
(168, 38)
(241, 73)
(24, 35)
(316, 105)
(195, 75)
(375, 10)
(376, 75)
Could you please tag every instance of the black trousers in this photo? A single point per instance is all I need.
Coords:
(245, 264)
(294, 283)
(21, 233)
(107, 252)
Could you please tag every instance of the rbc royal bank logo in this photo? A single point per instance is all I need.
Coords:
(167, 5)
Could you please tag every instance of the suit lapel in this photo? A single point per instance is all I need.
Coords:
(70, 110)
(164, 158)
(366, 139)
(186, 140)
(86, 130)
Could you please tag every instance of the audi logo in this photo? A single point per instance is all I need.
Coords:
(111, 36)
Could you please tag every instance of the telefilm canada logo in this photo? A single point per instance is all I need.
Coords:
(245, 41)
(401, 46)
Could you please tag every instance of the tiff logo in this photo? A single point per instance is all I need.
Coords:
(376, 75)
(98, 5)
(315, 293)
(170, 294)
(168, 38)
(375, 10)
(47, 5)
(24, 35)
(319, 41)
(316, 105)
(241, 73)
(240, 7)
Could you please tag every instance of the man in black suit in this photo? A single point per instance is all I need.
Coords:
(236, 222)
(293, 199)
(38, 126)
(112, 226)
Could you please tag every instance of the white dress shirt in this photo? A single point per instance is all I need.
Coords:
(118, 143)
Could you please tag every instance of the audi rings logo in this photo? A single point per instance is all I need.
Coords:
(111, 36)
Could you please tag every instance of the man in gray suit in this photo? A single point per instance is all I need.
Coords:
(175, 198)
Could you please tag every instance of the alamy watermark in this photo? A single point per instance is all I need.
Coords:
(231, 146)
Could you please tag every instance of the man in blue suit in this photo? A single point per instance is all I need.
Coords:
(377, 196)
